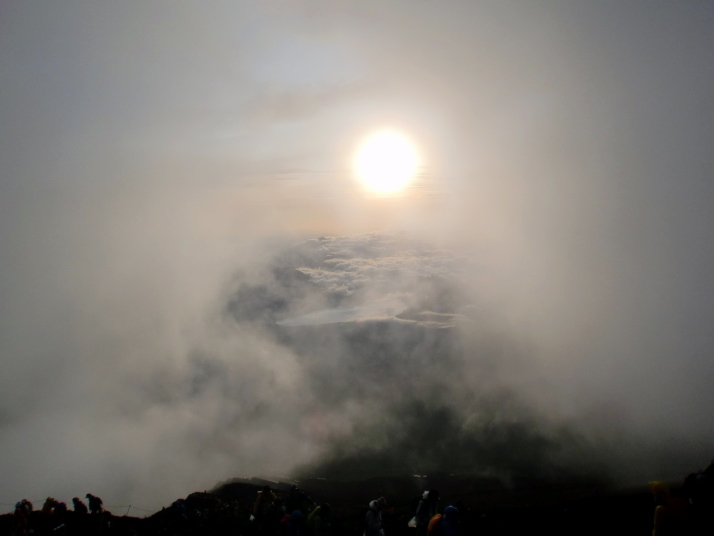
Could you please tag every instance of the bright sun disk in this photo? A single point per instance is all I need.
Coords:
(386, 162)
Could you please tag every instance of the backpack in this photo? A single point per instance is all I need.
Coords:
(434, 528)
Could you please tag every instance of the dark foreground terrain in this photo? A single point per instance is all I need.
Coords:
(487, 507)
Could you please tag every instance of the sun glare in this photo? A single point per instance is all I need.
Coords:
(386, 162)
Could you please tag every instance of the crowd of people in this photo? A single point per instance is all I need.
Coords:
(689, 511)
(685, 510)
(54, 515)
(273, 516)
(295, 515)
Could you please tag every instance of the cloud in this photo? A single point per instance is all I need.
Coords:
(385, 384)
(384, 325)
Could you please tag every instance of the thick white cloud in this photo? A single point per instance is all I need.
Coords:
(377, 276)
(380, 263)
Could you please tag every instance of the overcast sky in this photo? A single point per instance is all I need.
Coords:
(154, 156)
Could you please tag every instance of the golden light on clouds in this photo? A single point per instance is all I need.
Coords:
(386, 161)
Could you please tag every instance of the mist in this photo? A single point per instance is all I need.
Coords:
(194, 287)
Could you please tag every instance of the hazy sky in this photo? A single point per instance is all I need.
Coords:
(159, 159)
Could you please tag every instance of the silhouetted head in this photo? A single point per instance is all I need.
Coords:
(660, 490)
(378, 504)
(451, 513)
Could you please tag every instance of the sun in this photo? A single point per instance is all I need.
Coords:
(386, 162)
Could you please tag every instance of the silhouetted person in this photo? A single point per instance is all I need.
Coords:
(373, 519)
(297, 500)
(95, 504)
(273, 516)
(25, 505)
(21, 518)
(319, 520)
(671, 516)
(59, 518)
(49, 505)
(295, 526)
(45, 523)
(450, 521)
(263, 501)
(427, 508)
(79, 506)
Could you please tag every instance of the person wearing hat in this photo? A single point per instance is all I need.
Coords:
(373, 519)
